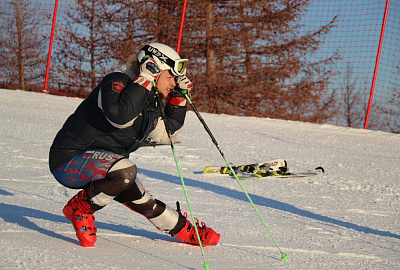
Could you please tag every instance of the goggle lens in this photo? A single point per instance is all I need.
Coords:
(180, 66)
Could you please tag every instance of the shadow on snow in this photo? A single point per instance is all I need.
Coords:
(19, 215)
(262, 201)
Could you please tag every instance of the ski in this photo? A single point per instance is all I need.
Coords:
(154, 144)
(277, 164)
(275, 168)
(258, 175)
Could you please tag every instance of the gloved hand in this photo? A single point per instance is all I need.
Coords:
(182, 88)
(149, 73)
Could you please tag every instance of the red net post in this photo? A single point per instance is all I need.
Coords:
(51, 39)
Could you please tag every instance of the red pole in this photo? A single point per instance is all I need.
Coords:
(46, 78)
(371, 94)
(181, 26)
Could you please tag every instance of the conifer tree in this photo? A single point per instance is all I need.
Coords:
(22, 57)
(255, 59)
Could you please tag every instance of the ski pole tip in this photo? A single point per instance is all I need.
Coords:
(207, 266)
(284, 257)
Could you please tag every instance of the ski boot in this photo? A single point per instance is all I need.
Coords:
(268, 170)
(188, 234)
(78, 211)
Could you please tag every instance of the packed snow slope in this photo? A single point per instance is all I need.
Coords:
(348, 218)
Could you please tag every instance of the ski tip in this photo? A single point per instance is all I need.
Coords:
(320, 169)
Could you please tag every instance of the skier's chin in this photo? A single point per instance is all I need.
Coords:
(163, 96)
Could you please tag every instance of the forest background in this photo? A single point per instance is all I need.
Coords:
(301, 60)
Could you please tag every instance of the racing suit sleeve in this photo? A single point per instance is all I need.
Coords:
(120, 100)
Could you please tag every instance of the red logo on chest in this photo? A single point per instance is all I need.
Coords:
(118, 86)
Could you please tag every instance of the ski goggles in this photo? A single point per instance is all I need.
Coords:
(177, 67)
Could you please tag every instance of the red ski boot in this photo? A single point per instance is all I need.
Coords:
(207, 235)
(79, 213)
(187, 234)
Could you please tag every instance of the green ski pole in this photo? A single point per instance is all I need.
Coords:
(284, 256)
(206, 265)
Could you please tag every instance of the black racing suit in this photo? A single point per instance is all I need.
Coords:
(116, 116)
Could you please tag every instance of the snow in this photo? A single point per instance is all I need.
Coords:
(348, 218)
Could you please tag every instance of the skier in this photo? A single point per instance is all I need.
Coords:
(91, 151)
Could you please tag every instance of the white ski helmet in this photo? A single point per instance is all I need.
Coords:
(165, 57)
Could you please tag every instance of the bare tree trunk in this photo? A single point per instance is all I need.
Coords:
(20, 48)
(211, 70)
(92, 50)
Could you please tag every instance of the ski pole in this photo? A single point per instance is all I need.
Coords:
(206, 265)
(284, 256)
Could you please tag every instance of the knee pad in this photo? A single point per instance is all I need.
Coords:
(147, 206)
(124, 169)
(119, 178)
(135, 192)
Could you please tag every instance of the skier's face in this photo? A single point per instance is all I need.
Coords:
(165, 83)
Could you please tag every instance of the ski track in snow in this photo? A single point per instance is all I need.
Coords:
(347, 218)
